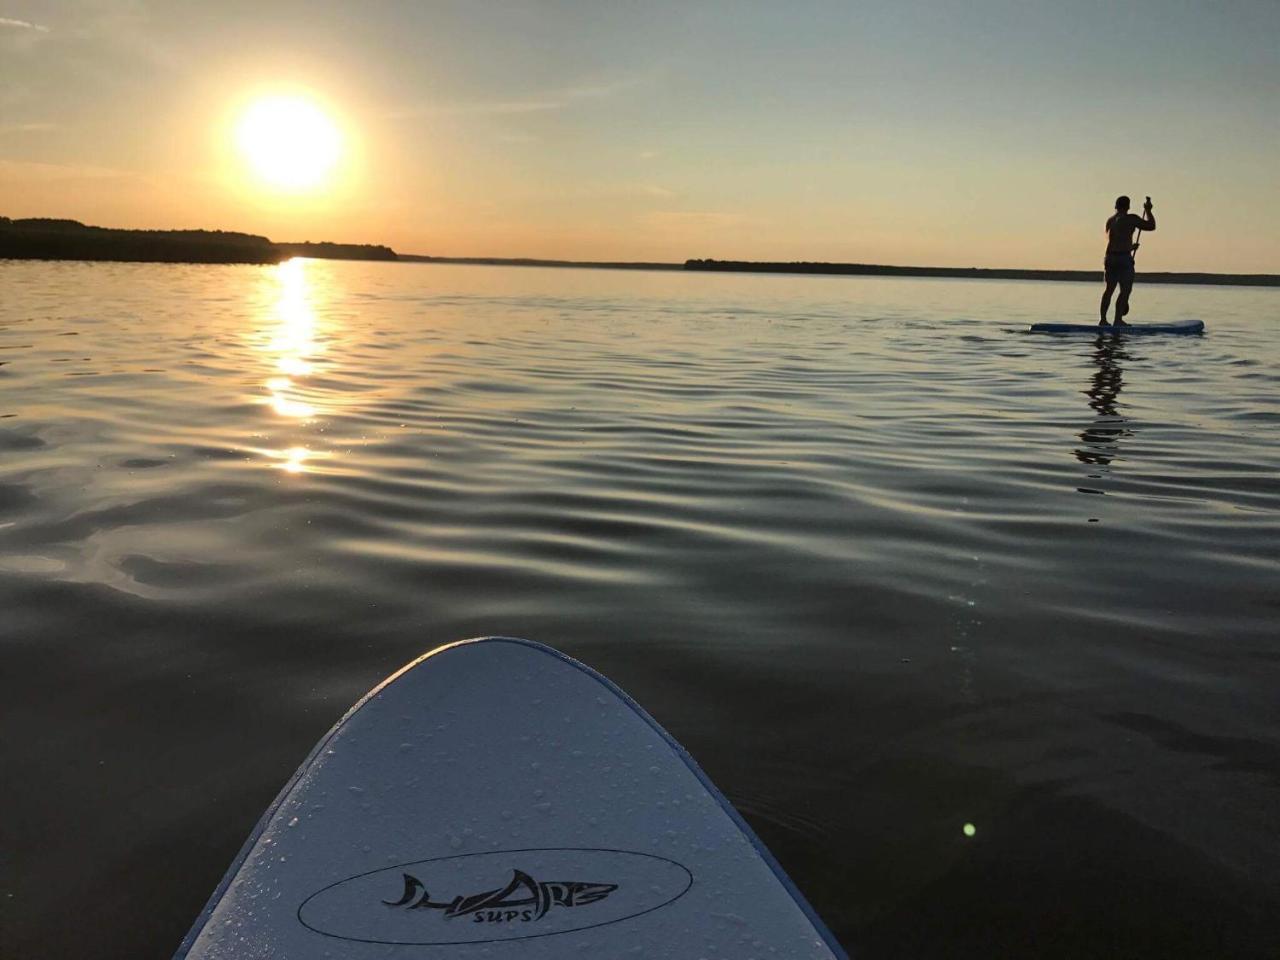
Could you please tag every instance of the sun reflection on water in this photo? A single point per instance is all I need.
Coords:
(294, 460)
(294, 344)
(294, 340)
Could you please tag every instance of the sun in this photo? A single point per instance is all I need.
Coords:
(289, 142)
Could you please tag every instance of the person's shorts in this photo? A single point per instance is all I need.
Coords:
(1118, 268)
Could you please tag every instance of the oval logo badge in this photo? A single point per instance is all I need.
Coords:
(494, 896)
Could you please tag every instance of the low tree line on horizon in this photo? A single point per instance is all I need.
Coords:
(48, 238)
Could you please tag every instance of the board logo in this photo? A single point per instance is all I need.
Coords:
(495, 896)
(523, 899)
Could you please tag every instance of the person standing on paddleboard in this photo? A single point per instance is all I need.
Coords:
(1117, 265)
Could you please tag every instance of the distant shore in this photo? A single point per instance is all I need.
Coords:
(862, 269)
(43, 238)
(977, 273)
(53, 239)
(533, 262)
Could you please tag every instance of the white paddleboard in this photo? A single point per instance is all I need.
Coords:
(1176, 326)
(498, 799)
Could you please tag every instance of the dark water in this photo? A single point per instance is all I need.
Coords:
(885, 564)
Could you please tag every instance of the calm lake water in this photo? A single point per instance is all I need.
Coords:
(885, 563)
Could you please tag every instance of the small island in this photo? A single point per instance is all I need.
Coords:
(43, 238)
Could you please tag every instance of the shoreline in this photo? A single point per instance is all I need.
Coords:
(805, 268)
(976, 273)
(54, 239)
(43, 238)
(536, 262)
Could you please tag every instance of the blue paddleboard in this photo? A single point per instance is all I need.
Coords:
(498, 799)
(1177, 326)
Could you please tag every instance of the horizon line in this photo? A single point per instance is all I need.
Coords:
(839, 268)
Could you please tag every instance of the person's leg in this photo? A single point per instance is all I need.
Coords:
(1122, 303)
(1106, 299)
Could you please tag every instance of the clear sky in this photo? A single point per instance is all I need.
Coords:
(976, 133)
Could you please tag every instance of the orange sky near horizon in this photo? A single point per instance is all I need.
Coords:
(997, 138)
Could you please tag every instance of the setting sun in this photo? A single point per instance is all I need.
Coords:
(289, 143)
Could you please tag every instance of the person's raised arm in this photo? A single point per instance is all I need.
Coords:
(1148, 219)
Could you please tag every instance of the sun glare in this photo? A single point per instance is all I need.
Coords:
(289, 143)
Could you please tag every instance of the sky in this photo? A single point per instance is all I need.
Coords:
(987, 133)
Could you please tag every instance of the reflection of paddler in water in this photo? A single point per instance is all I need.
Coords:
(1101, 436)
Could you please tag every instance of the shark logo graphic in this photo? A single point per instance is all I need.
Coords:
(495, 896)
(522, 900)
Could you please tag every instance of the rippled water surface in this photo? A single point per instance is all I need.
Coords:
(886, 564)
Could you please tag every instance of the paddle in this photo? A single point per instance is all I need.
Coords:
(1146, 208)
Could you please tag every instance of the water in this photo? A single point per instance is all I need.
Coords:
(893, 570)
